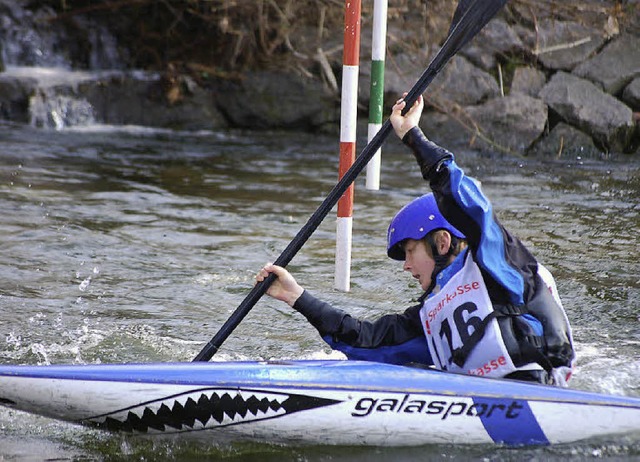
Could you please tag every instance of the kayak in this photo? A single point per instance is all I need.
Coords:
(315, 402)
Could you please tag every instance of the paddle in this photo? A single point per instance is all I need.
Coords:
(470, 17)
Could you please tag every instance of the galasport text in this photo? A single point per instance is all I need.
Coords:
(443, 408)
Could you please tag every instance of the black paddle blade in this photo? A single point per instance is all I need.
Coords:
(463, 6)
(470, 17)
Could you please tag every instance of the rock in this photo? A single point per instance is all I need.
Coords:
(511, 123)
(459, 80)
(447, 129)
(145, 99)
(528, 80)
(464, 83)
(532, 40)
(585, 106)
(497, 38)
(14, 98)
(565, 141)
(631, 95)
(274, 99)
(633, 20)
(561, 45)
(591, 13)
(402, 72)
(615, 66)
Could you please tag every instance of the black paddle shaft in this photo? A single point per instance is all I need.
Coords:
(469, 19)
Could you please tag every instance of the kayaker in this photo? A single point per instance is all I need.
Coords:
(489, 308)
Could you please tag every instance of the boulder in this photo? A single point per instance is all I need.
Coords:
(497, 38)
(592, 13)
(448, 130)
(511, 123)
(464, 83)
(15, 94)
(615, 66)
(631, 95)
(275, 99)
(560, 45)
(459, 80)
(151, 100)
(585, 106)
(565, 141)
(528, 80)
(402, 71)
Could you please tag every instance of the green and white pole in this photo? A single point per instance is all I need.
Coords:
(376, 93)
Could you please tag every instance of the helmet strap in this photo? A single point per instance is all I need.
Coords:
(442, 261)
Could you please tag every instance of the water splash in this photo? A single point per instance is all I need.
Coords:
(51, 110)
(84, 284)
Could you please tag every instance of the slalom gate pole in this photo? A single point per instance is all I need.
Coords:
(376, 92)
(348, 122)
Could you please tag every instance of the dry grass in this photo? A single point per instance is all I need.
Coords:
(224, 37)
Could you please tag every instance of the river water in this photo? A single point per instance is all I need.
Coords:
(124, 244)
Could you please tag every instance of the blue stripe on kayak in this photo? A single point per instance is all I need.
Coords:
(509, 421)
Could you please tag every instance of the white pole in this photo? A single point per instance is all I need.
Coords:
(376, 93)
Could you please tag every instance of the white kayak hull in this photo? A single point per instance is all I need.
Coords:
(315, 402)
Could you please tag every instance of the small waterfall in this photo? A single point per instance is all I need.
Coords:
(51, 110)
(56, 102)
(25, 41)
(70, 74)
(35, 38)
(36, 48)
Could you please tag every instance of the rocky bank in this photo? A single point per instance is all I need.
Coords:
(538, 80)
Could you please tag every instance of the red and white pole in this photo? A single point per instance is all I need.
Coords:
(348, 122)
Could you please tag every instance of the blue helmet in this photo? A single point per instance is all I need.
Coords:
(414, 221)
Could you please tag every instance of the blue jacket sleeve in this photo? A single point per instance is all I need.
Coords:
(393, 338)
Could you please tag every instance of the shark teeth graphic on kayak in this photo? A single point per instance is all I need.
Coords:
(208, 408)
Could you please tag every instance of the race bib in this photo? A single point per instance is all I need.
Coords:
(451, 316)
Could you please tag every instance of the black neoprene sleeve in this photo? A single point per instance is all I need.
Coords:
(428, 154)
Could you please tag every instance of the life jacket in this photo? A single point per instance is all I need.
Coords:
(467, 333)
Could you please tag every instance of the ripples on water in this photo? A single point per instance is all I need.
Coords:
(133, 245)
